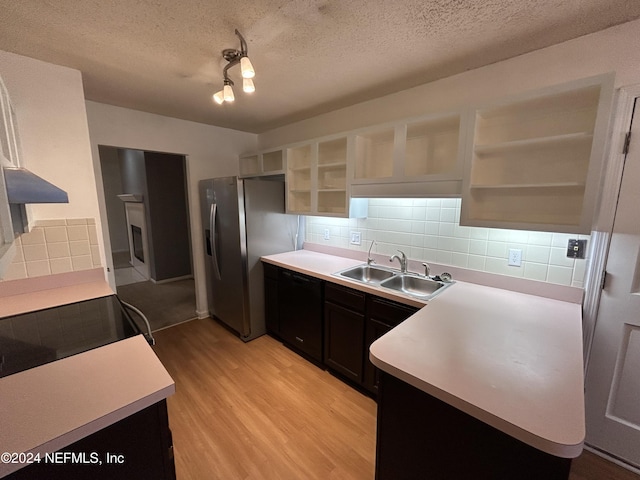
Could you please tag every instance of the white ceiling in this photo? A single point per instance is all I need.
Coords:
(310, 56)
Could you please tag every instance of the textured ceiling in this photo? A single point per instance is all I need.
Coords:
(310, 56)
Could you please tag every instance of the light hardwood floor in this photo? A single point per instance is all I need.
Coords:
(259, 411)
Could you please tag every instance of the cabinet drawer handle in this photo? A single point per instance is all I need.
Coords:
(300, 339)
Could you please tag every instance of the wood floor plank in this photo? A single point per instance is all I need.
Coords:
(258, 411)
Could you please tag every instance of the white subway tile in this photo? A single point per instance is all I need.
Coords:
(95, 256)
(446, 229)
(535, 271)
(417, 240)
(19, 255)
(15, 271)
(448, 215)
(478, 247)
(419, 213)
(461, 232)
(558, 257)
(476, 262)
(479, 233)
(51, 223)
(430, 255)
(35, 252)
(459, 259)
(434, 202)
(38, 268)
(559, 275)
(450, 203)
(431, 241)
(56, 234)
(81, 263)
(561, 239)
(540, 238)
(432, 228)
(538, 254)
(61, 265)
(445, 244)
(417, 227)
(497, 249)
(34, 237)
(498, 235)
(444, 258)
(93, 235)
(460, 245)
(433, 214)
(516, 236)
(58, 250)
(79, 247)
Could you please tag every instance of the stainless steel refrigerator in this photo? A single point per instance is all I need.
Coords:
(243, 219)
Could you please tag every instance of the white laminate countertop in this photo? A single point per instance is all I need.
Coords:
(49, 407)
(509, 359)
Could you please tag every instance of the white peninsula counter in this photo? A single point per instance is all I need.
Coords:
(509, 360)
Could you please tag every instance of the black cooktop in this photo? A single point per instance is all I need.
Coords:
(35, 338)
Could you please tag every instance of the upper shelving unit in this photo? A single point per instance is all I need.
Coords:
(299, 179)
(424, 154)
(535, 161)
(262, 164)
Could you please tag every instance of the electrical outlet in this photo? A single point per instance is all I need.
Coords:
(515, 257)
(326, 234)
(355, 238)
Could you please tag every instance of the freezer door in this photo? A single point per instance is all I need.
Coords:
(229, 298)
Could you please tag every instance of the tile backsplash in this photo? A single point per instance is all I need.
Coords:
(429, 230)
(55, 246)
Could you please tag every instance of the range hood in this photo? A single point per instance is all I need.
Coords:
(26, 187)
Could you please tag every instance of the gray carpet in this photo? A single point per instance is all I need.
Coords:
(165, 304)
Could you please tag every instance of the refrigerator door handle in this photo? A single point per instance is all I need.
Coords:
(213, 213)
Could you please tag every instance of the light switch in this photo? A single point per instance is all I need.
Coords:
(355, 238)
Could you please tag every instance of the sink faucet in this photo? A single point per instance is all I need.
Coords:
(369, 259)
(403, 261)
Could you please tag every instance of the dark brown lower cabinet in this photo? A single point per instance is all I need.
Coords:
(300, 313)
(421, 437)
(382, 316)
(344, 331)
(138, 446)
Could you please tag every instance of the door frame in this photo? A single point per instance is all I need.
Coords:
(624, 101)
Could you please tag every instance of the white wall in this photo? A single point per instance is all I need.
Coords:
(615, 49)
(52, 122)
(210, 152)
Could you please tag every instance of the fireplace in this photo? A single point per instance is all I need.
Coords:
(136, 237)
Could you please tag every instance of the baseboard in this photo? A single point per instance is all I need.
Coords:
(169, 280)
(202, 313)
(612, 459)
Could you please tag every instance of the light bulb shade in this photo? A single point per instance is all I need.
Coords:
(247, 68)
(218, 97)
(248, 86)
(228, 93)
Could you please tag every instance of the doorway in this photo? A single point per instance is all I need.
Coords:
(612, 379)
(148, 226)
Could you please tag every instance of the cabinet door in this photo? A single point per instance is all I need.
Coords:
(300, 308)
(343, 341)
(382, 316)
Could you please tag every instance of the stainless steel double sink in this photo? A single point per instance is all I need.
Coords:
(422, 287)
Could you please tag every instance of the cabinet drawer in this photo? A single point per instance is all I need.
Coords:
(388, 312)
(347, 297)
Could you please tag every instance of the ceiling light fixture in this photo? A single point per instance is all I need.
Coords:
(235, 57)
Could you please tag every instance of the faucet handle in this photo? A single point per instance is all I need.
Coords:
(427, 268)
